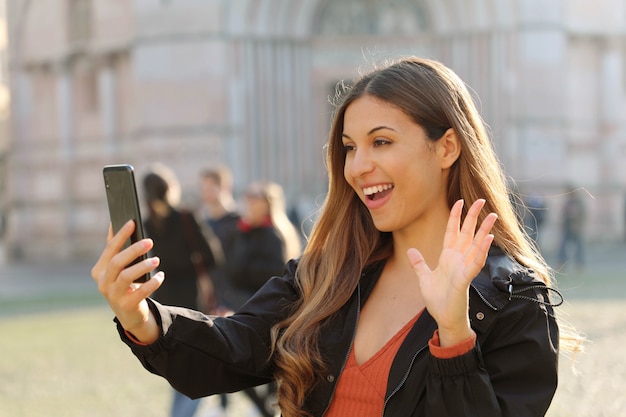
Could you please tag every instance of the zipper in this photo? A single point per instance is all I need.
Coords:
(406, 374)
(482, 297)
(345, 360)
(403, 380)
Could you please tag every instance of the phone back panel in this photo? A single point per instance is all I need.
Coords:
(121, 192)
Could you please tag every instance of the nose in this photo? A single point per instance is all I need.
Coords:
(358, 163)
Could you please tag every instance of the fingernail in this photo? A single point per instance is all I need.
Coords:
(155, 260)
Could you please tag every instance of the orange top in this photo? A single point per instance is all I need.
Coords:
(361, 389)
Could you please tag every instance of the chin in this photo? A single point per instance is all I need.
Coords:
(383, 226)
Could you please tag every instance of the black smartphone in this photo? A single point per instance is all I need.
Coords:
(121, 191)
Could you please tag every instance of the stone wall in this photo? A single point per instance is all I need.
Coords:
(247, 83)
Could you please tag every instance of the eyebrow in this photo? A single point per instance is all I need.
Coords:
(373, 130)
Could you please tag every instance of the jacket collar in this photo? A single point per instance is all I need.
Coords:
(500, 276)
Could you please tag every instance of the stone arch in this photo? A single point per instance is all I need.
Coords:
(278, 18)
(371, 18)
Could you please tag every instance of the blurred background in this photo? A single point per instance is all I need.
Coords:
(248, 83)
(191, 83)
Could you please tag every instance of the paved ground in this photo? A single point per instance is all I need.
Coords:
(595, 305)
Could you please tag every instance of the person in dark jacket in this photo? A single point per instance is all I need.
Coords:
(179, 243)
(253, 246)
(219, 212)
(264, 242)
(405, 302)
(573, 222)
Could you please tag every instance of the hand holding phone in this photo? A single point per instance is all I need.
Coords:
(121, 192)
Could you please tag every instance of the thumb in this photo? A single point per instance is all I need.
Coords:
(417, 262)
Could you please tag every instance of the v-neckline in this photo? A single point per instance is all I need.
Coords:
(400, 334)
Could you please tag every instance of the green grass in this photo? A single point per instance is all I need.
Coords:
(72, 363)
(48, 303)
(60, 355)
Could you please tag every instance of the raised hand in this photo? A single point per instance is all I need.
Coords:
(446, 288)
(115, 282)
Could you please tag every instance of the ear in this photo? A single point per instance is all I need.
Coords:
(448, 148)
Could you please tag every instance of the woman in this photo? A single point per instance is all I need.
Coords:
(180, 243)
(265, 241)
(181, 246)
(398, 306)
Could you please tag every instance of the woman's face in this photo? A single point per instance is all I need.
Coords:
(256, 207)
(393, 167)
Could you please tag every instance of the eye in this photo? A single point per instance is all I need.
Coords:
(347, 147)
(380, 142)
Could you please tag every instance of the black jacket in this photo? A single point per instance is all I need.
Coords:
(175, 240)
(512, 371)
(256, 256)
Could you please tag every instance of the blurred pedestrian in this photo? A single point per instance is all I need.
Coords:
(265, 241)
(573, 220)
(184, 253)
(219, 213)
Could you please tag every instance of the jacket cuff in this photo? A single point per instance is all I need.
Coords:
(458, 365)
(451, 351)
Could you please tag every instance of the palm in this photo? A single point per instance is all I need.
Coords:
(446, 288)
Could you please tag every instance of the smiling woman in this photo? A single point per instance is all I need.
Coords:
(405, 302)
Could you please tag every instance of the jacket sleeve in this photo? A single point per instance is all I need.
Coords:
(512, 370)
(201, 355)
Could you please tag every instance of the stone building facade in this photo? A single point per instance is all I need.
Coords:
(192, 83)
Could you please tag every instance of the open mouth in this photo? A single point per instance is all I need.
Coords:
(377, 192)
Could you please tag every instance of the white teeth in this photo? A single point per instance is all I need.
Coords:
(376, 189)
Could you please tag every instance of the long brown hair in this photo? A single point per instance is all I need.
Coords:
(344, 239)
(274, 194)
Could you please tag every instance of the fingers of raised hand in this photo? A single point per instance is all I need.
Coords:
(474, 244)
(461, 236)
(454, 222)
(468, 230)
(479, 248)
